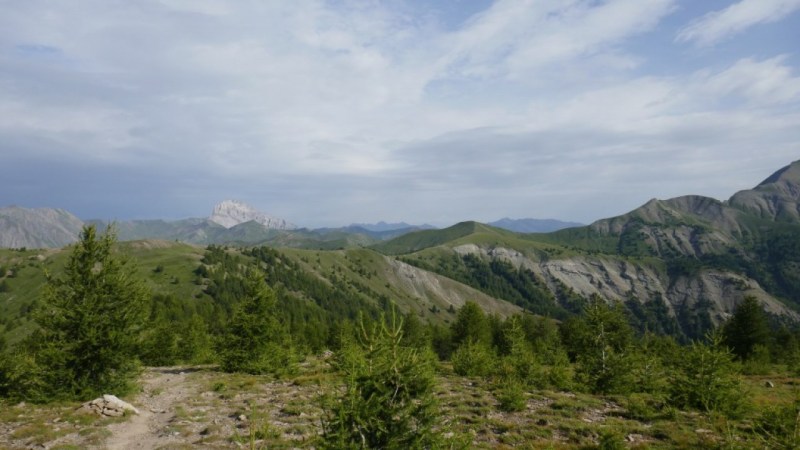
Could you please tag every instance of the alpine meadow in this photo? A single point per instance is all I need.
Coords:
(400, 225)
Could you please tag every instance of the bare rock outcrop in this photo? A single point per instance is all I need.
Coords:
(231, 213)
(108, 405)
(37, 227)
(618, 279)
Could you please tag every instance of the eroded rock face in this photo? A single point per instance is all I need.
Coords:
(442, 291)
(37, 228)
(618, 279)
(108, 405)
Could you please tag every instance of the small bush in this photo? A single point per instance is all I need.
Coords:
(473, 360)
(388, 401)
(759, 361)
(644, 407)
(708, 379)
(511, 396)
(779, 427)
(610, 440)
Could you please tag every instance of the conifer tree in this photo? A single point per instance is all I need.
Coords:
(388, 402)
(256, 341)
(603, 348)
(471, 325)
(708, 378)
(746, 329)
(89, 323)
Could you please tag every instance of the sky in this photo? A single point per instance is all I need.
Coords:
(326, 113)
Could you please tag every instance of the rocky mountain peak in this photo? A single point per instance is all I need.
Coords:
(789, 175)
(37, 227)
(776, 198)
(230, 213)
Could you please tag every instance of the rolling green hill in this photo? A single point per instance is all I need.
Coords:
(330, 285)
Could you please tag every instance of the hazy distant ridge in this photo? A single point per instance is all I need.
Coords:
(533, 225)
(37, 228)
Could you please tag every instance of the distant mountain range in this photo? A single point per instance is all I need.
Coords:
(533, 225)
(383, 226)
(680, 266)
(230, 222)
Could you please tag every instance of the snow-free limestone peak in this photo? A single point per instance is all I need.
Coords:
(230, 213)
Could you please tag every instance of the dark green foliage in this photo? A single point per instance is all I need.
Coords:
(610, 440)
(415, 334)
(21, 378)
(580, 238)
(785, 347)
(4, 287)
(474, 359)
(511, 396)
(746, 329)
(632, 240)
(471, 325)
(187, 341)
(651, 360)
(568, 299)
(341, 334)
(543, 335)
(90, 320)
(652, 316)
(778, 264)
(159, 346)
(694, 320)
(708, 378)
(311, 306)
(255, 341)
(519, 365)
(497, 278)
(601, 343)
(758, 362)
(441, 340)
(388, 400)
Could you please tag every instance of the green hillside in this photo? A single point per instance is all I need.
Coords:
(326, 285)
(419, 240)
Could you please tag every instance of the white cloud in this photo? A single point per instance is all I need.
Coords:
(768, 82)
(719, 25)
(365, 105)
(518, 39)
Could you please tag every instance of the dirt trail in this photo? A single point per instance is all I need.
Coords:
(164, 388)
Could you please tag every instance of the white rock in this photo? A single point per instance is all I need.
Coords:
(231, 213)
(119, 404)
(108, 405)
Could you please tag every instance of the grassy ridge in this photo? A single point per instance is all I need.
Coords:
(169, 269)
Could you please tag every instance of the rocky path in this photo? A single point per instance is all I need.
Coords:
(164, 389)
